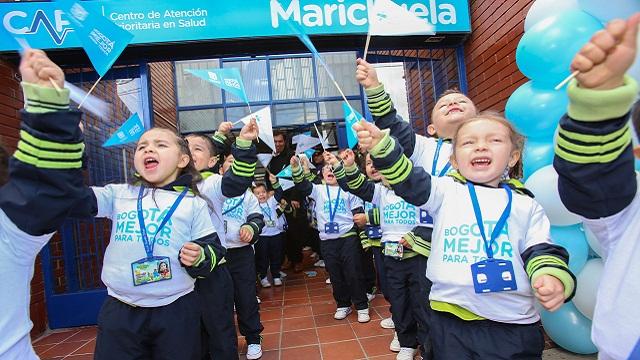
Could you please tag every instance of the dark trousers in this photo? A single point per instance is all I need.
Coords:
(456, 339)
(269, 254)
(314, 241)
(149, 333)
(242, 267)
(408, 299)
(219, 339)
(369, 270)
(343, 261)
(297, 231)
(378, 260)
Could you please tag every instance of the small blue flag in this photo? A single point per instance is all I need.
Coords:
(102, 40)
(351, 116)
(129, 132)
(286, 172)
(228, 79)
(309, 153)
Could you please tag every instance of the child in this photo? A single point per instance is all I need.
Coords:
(44, 180)
(243, 223)
(594, 161)
(218, 300)
(338, 239)
(450, 110)
(487, 301)
(147, 317)
(403, 268)
(269, 247)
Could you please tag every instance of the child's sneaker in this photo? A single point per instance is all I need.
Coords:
(395, 343)
(277, 282)
(405, 353)
(328, 281)
(254, 351)
(370, 297)
(319, 263)
(363, 316)
(341, 313)
(257, 299)
(387, 323)
(265, 283)
(283, 274)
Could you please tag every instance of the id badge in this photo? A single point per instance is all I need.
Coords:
(393, 249)
(271, 223)
(151, 270)
(373, 232)
(493, 275)
(425, 218)
(331, 228)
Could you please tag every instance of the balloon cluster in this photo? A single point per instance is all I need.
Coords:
(555, 30)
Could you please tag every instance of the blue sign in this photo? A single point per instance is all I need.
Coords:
(351, 116)
(45, 24)
(102, 40)
(286, 172)
(228, 79)
(129, 132)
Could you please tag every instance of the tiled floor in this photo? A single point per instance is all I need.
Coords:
(298, 324)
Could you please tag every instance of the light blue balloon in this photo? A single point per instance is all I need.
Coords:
(546, 50)
(537, 154)
(568, 328)
(610, 9)
(536, 110)
(574, 240)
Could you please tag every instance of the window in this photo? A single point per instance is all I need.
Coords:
(193, 91)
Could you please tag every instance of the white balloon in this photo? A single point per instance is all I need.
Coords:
(544, 185)
(542, 9)
(587, 287)
(594, 243)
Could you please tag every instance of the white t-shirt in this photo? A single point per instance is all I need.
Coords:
(616, 320)
(189, 222)
(324, 201)
(273, 224)
(17, 251)
(234, 213)
(457, 244)
(397, 217)
(426, 149)
(211, 187)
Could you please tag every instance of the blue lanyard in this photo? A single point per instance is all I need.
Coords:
(235, 206)
(435, 161)
(148, 245)
(267, 213)
(501, 222)
(332, 215)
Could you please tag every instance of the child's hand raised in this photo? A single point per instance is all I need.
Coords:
(272, 178)
(366, 74)
(36, 68)
(225, 127)
(549, 291)
(329, 158)
(189, 253)
(295, 162)
(368, 134)
(348, 157)
(603, 61)
(249, 131)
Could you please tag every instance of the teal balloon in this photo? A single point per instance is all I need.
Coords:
(535, 110)
(574, 240)
(568, 328)
(537, 154)
(546, 50)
